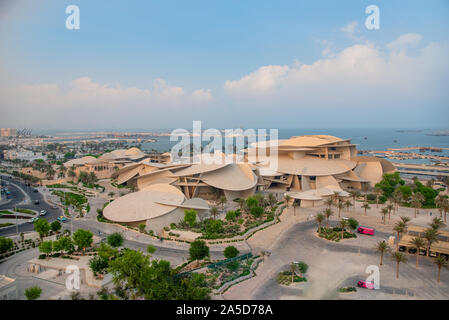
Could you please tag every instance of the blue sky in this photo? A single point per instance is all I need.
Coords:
(199, 45)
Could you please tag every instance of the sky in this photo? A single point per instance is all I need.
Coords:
(261, 64)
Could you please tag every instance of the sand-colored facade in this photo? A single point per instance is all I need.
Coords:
(309, 169)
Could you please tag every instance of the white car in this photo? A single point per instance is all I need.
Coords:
(43, 213)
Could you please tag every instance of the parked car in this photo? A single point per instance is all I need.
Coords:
(62, 219)
(365, 284)
(365, 230)
(33, 219)
(43, 213)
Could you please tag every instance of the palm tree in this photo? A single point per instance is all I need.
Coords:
(431, 235)
(348, 204)
(328, 213)
(439, 200)
(287, 199)
(294, 205)
(329, 202)
(405, 220)
(399, 228)
(440, 261)
(222, 201)
(241, 203)
(354, 194)
(390, 207)
(272, 199)
(398, 197)
(384, 213)
(214, 210)
(418, 243)
(336, 197)
(437, 224)
(398, 257)
(319, 219)
(366, 206)
(292, 270)
(378, 192)
(445, 207)
(340, 206)
(343, 224)
(382, 246)
(417, 200)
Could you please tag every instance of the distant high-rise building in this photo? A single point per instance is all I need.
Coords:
(8, 132)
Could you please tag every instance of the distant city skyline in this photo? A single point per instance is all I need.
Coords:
(139, 66)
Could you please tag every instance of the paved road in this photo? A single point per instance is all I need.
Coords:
(26, 201)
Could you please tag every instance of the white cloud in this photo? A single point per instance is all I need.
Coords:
(404, 41)
(356, 79)
(201, 95)
(90, 101)
(261, 81)
(351, 29)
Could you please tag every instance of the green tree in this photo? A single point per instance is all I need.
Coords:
(440, 262)
(115, 240)
(340, 206)
(389, 182)
(190, 217)
(431, 236)
(107, 252)
(213, 211)
(46, 247)
(319, 219)
(67, 244)
(366, 206)
(98, 264)
(418, 243)
(198, 250)
(417, 200)
(82, 239)
(33, 293)
(398, 257)
(142, 227)
(42, 227)
(6, 244)
(384, 213)
(328, 213)
(353, 223)
(151, 249)
(399, 228)
(382, 246)
(231, 252)
(55, 226)
(343, 224)
(222, 200)
(257, 211)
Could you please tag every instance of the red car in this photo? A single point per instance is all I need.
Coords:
(364, 284)
(365, 230)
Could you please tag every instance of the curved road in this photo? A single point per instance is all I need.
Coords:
(23, 197)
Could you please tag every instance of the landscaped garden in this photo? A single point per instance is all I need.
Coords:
(295, 274)
(251, 212)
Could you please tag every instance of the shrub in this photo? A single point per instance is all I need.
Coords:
(353, 223)
(115, 240)
(98, 264)
(231, 252)
(33, 293)
(55, 226)
(198, 250)
(6, 244)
